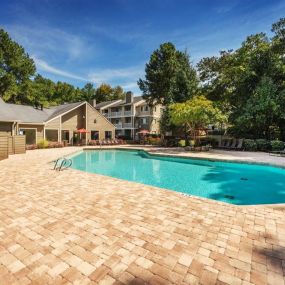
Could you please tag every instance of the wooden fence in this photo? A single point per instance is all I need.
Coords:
(3, 147)
(12, 145)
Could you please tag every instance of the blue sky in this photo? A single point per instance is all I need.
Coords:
(111, 40)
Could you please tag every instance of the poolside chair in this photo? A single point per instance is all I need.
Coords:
(232, 145)
(221, 144)
(239, 145)
(227, 144)
(277, 152)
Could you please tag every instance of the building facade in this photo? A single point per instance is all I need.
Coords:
(57, 124)
(131, 115)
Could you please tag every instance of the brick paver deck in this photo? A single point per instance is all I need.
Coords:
(78, 228)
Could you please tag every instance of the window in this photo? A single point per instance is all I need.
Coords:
(143, 121)
(52, 135)
(108, 134)
(30, 134)
(94, 135)
(144, 108)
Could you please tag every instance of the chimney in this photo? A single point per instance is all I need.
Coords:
(129, 97)
(92, 102)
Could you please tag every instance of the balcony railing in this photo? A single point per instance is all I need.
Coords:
(118, 126)
(116, 114)
(128, 113)
(127, 125)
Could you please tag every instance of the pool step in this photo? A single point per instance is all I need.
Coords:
(62, 163)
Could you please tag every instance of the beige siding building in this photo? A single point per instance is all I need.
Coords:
(131, 115)
(56, 124)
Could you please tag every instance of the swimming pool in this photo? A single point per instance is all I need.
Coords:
(235, 183)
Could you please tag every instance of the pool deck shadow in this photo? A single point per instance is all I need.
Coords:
(73, 227)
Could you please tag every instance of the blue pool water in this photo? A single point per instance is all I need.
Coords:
(235, 183)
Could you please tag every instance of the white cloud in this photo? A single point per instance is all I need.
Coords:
(48, 41)
(44, 66)
(126, 77)
(122, 74)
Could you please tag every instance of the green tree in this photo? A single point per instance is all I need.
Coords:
(42, 91)
(169, 77)
(234, 78)
(105, 92)
(262, 112)
(195, 114)
(64, 93)
(87, 92)
(118, 93)
(16, 69)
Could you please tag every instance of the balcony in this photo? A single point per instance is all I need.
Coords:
(127, 125)
(118, 126)
(128, 113)
(116, 114)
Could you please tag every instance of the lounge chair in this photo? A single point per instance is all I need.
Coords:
(227, 144)
(221, 144)
(232, 145)
(277, 152)
(239, 145)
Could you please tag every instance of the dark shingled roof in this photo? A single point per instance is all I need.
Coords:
(118, 102)
(103, 104)
(29, 114)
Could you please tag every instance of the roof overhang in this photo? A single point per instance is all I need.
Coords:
(60, 115)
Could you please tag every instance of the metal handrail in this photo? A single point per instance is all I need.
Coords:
(65, 163)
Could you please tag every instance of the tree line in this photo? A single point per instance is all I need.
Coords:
(21, 84)
(246, 85)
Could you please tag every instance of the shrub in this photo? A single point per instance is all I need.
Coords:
(182, 143)
(250, 145)
(262, 144)
(31, 146)
(153, 141)
(42, 144)
(277, 145)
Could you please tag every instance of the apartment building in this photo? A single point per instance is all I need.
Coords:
(131, 115)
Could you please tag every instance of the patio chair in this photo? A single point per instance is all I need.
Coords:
(221, 144)
(227, 144)
(277, 152)
(239, 145)
(232, 145)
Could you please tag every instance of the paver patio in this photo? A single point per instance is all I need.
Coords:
(78, 228)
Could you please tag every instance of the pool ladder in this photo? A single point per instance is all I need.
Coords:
(62, 163)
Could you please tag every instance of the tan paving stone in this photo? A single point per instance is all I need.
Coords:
(79, 228)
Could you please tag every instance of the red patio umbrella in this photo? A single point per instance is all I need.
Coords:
(144, 132)
(82, 131)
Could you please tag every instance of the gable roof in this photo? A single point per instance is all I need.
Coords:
(29, 114)
(106, 103)
(61, 109)
(116, 103)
